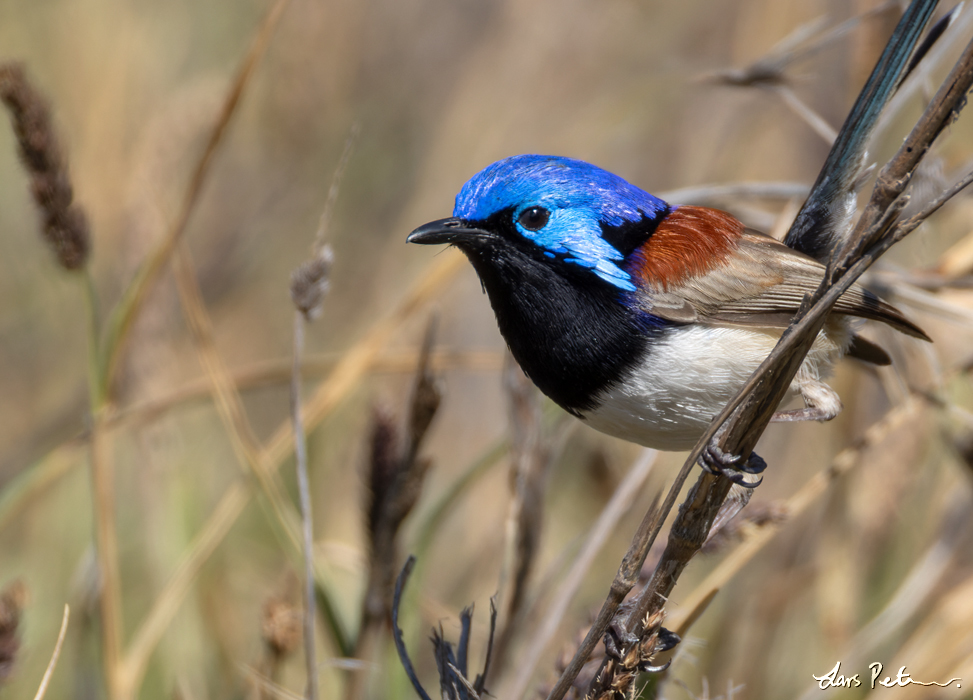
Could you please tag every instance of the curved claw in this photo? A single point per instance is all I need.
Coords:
(648, 668)
(740, 479)
(718, 462)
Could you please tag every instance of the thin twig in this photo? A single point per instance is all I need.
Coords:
(800, 44)
(46, 680)
(814, 120)
(339, 174)
(166, 604)
(304, 489)
(103, 495)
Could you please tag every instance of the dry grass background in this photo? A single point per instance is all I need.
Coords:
(875, 567)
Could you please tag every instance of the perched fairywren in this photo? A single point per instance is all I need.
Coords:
(639, 317)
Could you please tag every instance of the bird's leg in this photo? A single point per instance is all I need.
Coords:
(821, 403)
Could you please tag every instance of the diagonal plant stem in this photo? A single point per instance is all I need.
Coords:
(843, 462)
(103, 502)
(125, 312)
(227, 398)
(167, 603)
(55, 655)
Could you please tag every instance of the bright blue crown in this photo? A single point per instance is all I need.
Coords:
(581, 199)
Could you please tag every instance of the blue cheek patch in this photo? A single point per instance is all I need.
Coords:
(581, 198)
(575, 233)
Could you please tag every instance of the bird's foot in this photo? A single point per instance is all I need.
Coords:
(718, 462)
(618, 639)
(624, 647)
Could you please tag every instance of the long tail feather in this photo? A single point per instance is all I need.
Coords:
(831, 204)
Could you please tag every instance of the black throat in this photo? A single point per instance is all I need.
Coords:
(567, 328)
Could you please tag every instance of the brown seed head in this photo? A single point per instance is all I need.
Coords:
(281, 627)
(13, 598)
(64, 224)
(310, 282)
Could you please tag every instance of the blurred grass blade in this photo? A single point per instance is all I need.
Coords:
(341, 382)
(124, 314)
(46, 680)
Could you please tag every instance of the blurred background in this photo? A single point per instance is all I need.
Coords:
(873, 566)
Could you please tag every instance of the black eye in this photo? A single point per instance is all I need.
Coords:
(534, 219)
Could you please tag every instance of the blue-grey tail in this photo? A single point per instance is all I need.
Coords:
(831, 204)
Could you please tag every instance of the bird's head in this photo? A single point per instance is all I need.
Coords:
(568, 216)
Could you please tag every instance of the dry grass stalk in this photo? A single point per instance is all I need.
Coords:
(309, 285)
(616, 507)
(395, 477)
(55, 655)
(531, 458)
(227, 398)
(318, 282)
(106, 538)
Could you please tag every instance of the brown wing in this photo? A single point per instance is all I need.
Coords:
(763, 284)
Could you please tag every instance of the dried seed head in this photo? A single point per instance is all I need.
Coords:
(383, 465)
(280, 626)
(13, 598)
(65, 226)
(310, 282)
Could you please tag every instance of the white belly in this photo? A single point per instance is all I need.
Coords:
(688, 376)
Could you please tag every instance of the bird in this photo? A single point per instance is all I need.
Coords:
(640, 317)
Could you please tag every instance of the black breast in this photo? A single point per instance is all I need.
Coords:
(567, 328)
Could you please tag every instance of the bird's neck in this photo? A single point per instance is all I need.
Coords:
(572, 335)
